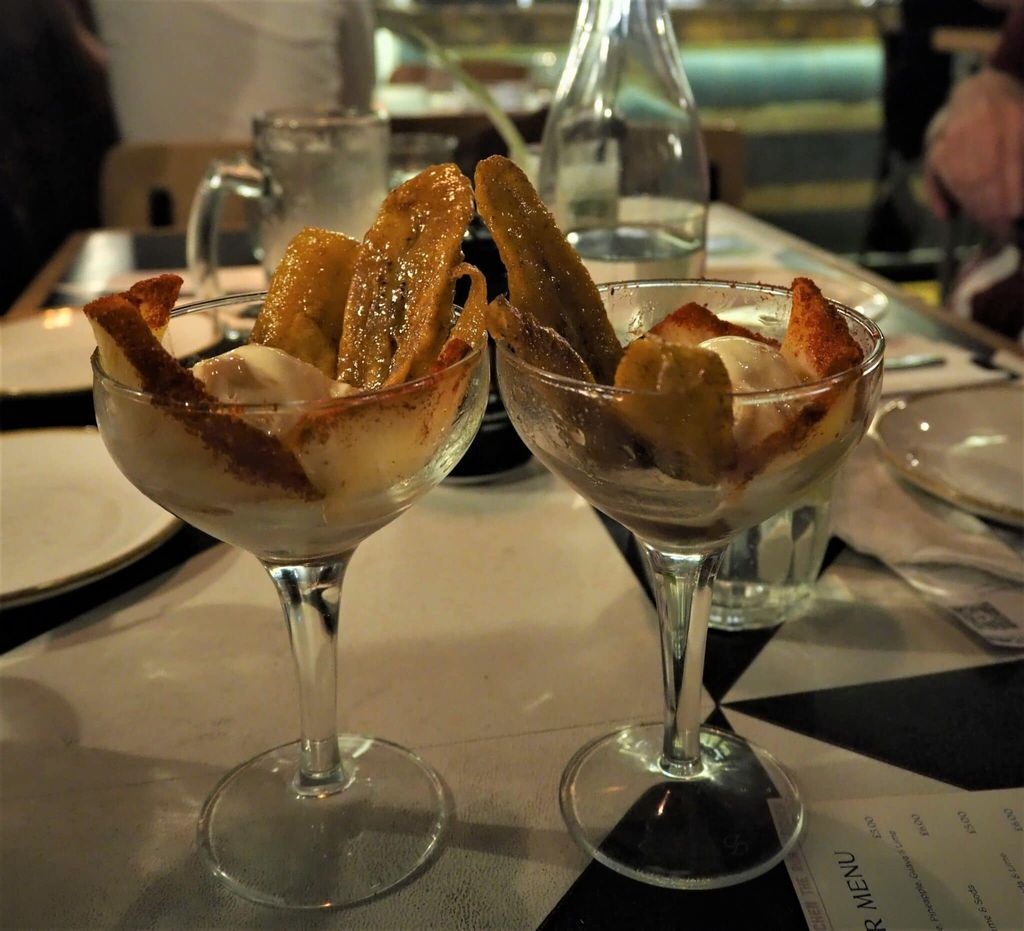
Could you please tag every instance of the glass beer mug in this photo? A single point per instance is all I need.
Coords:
(318, 167)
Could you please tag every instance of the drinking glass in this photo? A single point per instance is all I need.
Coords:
(676, 804)
(327, 820)
(769, 571)
(410, 153)
(309, 167)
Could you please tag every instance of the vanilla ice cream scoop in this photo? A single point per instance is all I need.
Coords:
(754, 366)
(257, 374)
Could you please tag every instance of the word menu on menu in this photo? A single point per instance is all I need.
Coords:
(945, 862)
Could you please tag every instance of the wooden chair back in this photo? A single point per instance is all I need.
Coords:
(435, 78)
(151, 184)
(726, 146)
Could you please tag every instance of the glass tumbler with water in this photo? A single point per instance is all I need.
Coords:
(769, 571)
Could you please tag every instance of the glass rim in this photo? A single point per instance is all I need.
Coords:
(810, 389)
(317, 118)
(357, 398)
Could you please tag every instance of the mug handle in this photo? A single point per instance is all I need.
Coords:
(224, 176)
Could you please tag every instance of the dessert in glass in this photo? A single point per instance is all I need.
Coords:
(358, 392)
(688, 411)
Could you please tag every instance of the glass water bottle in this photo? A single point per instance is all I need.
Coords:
(622, 162)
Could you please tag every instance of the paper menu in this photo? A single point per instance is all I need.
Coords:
(946, 862)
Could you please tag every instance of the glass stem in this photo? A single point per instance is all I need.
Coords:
(682, 587)
(311, 597)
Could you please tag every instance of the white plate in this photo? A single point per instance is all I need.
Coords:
(861, 296)
(68, 515)
(49, 352)
(962, 445)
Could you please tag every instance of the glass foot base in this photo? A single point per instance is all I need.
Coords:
(271, 845)
(733, 821)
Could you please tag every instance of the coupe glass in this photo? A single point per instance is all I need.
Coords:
(327, 820)
(673, 803)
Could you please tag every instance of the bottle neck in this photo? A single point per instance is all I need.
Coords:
(615, 38)
(627, 17)
(622, 145)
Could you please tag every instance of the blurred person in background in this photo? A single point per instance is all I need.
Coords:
(974, 164)
(198, 70)
(916, 82)
(56, 123)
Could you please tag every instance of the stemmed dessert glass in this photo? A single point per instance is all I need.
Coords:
(327, 820)
(676, 804)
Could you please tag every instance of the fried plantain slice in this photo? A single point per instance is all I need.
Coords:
(130, 352)
(470, 329)
(693, 323)
(580, 416)
(454, 350)
(546, 278)
(305, 303)
(471, 324)
(399, 307)
(817, 343)
(539, 345)
(687, 427)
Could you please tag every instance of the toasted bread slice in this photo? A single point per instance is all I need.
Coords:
(817, 343)
(812, 427)
(155, 298)
(151, 301)
(131, 353)
(693, 323)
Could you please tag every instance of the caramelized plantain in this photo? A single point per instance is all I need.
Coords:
(546, 278)
(580, 414)
(305, 303)
(471, 325)
(454, 350)
(534, 343)
(687, 427)
(399, 307)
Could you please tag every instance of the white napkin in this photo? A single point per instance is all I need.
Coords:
(951, 557)
(957, 371)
